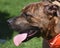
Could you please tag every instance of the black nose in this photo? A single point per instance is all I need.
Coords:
(9, 21)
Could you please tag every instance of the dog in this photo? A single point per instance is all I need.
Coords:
(40, 19)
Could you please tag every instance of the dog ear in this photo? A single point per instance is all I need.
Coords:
(52, 10)
(58, 4)
(48, 9)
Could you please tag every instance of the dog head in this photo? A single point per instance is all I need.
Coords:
(36, 18)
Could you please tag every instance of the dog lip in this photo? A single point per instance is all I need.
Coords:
(28, 31)
(31, 32)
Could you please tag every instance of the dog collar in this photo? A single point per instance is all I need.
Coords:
(55, 42)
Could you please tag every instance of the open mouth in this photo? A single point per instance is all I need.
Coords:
(31, 31)
(25, 35)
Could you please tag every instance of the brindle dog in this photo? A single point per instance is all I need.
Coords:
(38, 18)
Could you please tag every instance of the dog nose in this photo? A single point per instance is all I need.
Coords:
(9, 21)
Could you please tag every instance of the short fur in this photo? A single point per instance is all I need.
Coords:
(40, 16)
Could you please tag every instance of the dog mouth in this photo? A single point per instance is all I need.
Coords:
(31, 32)
(26, 35)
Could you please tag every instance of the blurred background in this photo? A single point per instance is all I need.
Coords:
(8, 9)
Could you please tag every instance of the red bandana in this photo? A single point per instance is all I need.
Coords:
(55, 42)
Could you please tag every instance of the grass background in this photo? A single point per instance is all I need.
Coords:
(11, 8)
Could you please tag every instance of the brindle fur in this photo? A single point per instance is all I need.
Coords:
(35, 15)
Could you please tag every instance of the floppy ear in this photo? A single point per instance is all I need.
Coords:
(48, 9)
(58, 4)
(52, 9)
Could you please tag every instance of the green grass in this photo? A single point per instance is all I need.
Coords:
(10, 8)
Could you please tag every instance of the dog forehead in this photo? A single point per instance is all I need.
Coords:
(36, 10)
(34, 6)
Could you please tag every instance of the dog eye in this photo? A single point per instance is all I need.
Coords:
(26, 14)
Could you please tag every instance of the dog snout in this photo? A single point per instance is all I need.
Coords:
(9, 21)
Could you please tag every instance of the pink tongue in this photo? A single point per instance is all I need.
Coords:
(19, 38)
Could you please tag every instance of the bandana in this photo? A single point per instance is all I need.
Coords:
(55, 42)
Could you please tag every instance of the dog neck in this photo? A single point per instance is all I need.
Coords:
(50, 32)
